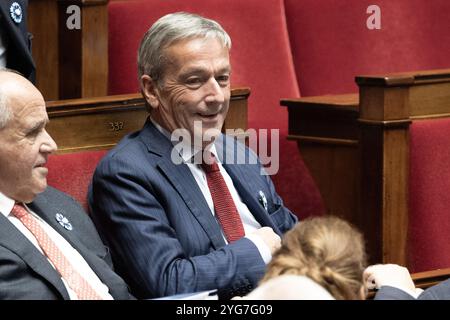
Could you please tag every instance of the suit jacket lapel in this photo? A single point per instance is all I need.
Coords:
(248, 197)
(48, 212)
(14, 240)
(227, 148)
(182, 180)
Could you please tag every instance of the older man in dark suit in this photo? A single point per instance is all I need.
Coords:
(15, 41)
(49, 248)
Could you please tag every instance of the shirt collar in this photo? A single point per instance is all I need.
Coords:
(186, 150)
(6, 204)
(160, 129)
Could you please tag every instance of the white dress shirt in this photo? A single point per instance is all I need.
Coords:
(77, 261)
(248, 220)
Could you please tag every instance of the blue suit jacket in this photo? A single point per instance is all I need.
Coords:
(163, 238)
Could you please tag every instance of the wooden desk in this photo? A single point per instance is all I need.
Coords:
(99, 123)
(357, 149)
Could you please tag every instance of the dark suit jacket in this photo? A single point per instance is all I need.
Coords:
(17, 39)
(25, 272)
(440, 291)
(163, 238)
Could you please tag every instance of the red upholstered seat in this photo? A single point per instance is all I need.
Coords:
(429, 200)
(72, 173)
(331, 43)
(261, 59)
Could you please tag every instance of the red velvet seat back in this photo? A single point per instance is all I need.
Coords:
(429, 200)
(331, 43)
(260, 57)
(72, 173)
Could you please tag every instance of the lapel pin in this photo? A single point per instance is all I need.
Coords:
(262, 199)
(16, 12)
(63, 221)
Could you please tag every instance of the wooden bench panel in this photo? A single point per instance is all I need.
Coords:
(59, 51)
(99, 123)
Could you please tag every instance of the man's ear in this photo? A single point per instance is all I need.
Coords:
(150, 91)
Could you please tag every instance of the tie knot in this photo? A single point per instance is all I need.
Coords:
(19, 211)
(209, 163)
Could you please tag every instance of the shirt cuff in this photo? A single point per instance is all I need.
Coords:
(263, 249)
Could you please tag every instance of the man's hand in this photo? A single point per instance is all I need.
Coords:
(270, 238)
(392, 275)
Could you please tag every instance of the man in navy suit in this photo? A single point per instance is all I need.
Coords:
(156, 206)
(30, 266)
(15, 41)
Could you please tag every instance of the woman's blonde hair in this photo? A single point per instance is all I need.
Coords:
(328, 250)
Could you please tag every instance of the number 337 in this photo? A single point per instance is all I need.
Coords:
(115, 126)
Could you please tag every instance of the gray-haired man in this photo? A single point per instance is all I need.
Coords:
(184, 227)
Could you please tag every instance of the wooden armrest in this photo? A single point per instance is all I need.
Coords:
(427, 279)
(340, 101)
(330, 119)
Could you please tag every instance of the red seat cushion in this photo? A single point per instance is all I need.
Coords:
(260, 58)
(72, 173)
(331, 43)
(429, 200)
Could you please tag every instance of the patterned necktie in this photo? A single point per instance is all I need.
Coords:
(76, 282)
(226, 211)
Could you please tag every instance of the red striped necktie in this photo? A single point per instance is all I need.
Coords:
(224, 207)
(75, 281)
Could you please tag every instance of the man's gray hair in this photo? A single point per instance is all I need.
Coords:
(169, 29)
